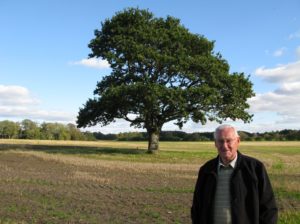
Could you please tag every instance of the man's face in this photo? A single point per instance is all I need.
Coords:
(227, 144)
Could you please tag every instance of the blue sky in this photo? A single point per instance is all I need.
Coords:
(45, 74)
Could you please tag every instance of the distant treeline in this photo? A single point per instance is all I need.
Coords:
(284, 135)
(28, 129)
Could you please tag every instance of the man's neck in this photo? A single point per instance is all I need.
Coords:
(228, 163)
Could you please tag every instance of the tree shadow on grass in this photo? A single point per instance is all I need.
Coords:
(73, 150)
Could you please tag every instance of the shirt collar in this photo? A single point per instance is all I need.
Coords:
(232, 163)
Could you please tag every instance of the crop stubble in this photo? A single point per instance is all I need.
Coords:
(92, 185)
(37, 187)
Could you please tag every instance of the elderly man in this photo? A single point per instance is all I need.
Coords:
(233, 188)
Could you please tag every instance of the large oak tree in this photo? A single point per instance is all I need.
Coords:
(161, 72)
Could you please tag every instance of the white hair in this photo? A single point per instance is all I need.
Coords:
(225, 126)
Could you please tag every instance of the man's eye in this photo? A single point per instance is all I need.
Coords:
(229, 141)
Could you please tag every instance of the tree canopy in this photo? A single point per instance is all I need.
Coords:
(161, 72)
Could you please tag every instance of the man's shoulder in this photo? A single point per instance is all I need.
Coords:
(210, 164)
(250, 162)
(249, 159)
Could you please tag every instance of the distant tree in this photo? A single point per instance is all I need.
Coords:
(29, 130)
(75, 133)
(161, 72)
(292, 135)
(61, 132)
(207, 136)
(172, 135)
(55, 131)
(192, 137)
(130, 136)
(110, 137)
(89, 136)
(244, 135)
(99, 135)
(9, 129)
(47, 131)
(259, 138)
(277, 136)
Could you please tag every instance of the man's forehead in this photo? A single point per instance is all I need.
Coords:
(226, 134)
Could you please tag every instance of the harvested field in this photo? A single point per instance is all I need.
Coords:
(113, 182)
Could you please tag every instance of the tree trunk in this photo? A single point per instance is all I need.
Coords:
(153, 141)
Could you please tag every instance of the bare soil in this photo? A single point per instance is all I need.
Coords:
(36, 187)
(117, 182)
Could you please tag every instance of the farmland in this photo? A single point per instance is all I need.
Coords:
(118, 182)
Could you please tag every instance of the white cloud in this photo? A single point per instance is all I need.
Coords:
(283, 101)
(16, 95)
(282, 73)
(35, 114)
(294, 35)
(289, 89)
(93, 62)
(285, 107)
(298, 52)
(17, 102)
(276, 102)
(279, 52)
